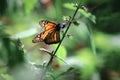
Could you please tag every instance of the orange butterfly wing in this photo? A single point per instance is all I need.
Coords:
(49, 28)
(52, 38)
(51, 34)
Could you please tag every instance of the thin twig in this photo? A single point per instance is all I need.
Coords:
(50, 61)
(50, 53)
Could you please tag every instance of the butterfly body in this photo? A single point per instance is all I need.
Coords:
(51, 35)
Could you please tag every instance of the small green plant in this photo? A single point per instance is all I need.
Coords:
(70, 20)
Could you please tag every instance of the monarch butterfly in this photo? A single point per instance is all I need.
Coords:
(51, 35)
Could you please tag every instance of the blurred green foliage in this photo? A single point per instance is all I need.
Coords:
(92, 45)
(11, 51)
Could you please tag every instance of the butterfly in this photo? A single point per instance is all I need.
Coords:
(50, 35)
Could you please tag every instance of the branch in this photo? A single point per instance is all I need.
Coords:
(69, 24)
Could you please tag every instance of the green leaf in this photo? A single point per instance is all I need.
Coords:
(83, 12)
(69, 6)
(61, 53)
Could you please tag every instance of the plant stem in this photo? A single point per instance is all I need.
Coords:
(50, 61)
(91, 40)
